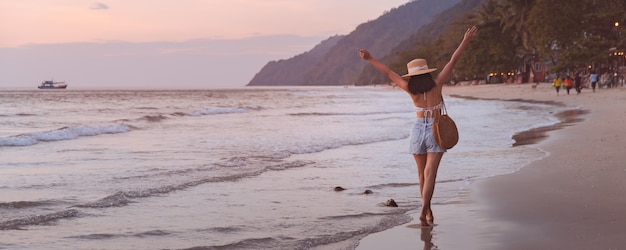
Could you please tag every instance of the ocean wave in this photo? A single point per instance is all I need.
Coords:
(255, 243)
(315, 148)
(96, 236)
(147, 108)
(123, 198)
(116, 200)
(233, 162)
(224, 230)
(18, 115)
(392, 185)
(341, 113)
(154, 118)
(151, 233)
(17, 224)
(217, 111)
(65, 133)
(385, 222)
(112, 236)
(24, 204)
(365, 215)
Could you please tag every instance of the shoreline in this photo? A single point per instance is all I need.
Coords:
(549, 203)
(535, 135)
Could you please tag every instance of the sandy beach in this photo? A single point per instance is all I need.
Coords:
(571, 199)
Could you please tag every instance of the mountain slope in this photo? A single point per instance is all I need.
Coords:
(290, 72)
(405, 51)
(339, 64)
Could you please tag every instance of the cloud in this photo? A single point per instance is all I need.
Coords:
(99, 6)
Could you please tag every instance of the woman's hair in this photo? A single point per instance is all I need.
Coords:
(420, 84)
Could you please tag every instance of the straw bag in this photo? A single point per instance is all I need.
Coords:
(444, 129)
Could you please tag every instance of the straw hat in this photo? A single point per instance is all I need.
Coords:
(417, 67)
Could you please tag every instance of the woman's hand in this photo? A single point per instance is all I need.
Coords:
(470, 33)
(365, 54)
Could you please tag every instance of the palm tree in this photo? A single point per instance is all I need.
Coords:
(514, 19)
(489, 13)
(496, 52)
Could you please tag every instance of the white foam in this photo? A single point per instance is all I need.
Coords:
(217, 111)
(66, 133)
(316, 147)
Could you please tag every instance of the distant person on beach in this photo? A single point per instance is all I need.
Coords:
(593, 77)
(425, 92)
(568, 83)
(578, 82)
(603, 79)
(557, 84)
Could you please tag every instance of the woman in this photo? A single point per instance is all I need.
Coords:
(425, 92)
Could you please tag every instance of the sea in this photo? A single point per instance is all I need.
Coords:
(239, 168)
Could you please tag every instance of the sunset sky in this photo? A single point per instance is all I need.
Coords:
(224, 42)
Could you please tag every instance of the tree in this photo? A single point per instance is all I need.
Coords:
(514, 18)
(575, 35)
(492, 51)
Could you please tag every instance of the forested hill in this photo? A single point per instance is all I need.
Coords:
(293, 70)
(335, 61)
(405, 51)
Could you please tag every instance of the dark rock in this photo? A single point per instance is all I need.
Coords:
(367, 191)
(391, 203)
(338, 188)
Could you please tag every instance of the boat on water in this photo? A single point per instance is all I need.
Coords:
(52, 85)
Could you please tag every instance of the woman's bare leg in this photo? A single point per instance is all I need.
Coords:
(427, 166)
(420, 160)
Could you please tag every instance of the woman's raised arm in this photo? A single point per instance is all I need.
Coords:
(393, 76)
(445, 73)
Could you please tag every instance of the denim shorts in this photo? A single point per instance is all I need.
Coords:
(422, 140)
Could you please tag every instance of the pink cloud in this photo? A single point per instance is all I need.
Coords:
(99, 6)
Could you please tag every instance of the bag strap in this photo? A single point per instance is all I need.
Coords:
(444, 111)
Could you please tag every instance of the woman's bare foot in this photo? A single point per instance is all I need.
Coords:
(429, 217)
(426, 218)
(423, 221)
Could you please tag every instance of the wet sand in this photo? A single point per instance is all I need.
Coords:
(572, 199)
